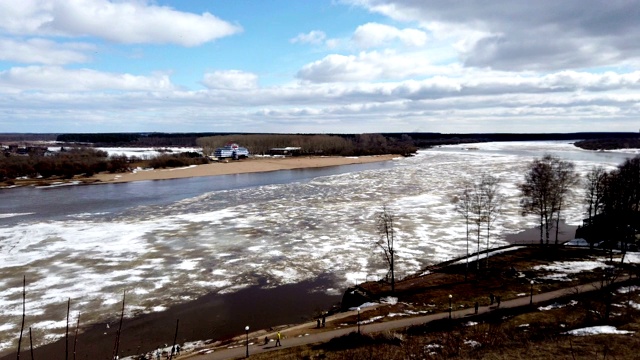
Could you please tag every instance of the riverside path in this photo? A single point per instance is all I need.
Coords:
(320, 335)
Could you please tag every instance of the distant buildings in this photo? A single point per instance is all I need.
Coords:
(231, 150)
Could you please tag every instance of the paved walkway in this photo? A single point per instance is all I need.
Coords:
(324, 336)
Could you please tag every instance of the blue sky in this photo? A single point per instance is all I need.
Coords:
(321, 66)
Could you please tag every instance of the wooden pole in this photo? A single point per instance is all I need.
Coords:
(24, 296)
(117, 345)
(175, 337)
(75, 338)
(66, 334)
(31, 342)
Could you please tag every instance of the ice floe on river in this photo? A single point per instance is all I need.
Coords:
(270, 235)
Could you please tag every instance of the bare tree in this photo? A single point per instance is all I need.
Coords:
(477, 211)
(492, 200)
(594, 187)
(463, 206)
(565, 179)
(536, 193)
(545, 188)
(385, 226)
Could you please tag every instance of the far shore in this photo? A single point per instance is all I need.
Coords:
(251, 165)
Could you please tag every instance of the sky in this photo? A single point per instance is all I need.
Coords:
(319, 66)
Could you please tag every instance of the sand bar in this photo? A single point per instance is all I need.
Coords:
(261, 164)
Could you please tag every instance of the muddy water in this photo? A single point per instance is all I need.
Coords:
(212, 316)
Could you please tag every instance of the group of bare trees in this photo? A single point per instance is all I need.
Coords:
(613, 203)
(479, 203)
(612, 198)
(547, 184)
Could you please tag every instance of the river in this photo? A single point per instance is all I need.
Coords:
(172, 242)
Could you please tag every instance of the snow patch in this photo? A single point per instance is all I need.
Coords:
(597, 330)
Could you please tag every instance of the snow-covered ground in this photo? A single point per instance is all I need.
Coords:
(223, 241)
(139, 152)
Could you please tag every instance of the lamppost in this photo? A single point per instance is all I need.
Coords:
(450, 308)
(358, 320)
(246, 329)
(531, 296)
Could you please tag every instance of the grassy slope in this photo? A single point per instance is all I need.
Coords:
(505, 334)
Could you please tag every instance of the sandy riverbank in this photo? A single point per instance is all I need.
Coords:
(252, 165)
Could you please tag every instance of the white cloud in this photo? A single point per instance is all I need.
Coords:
(42, 51)
(315, 37)
(462, 66)
(439, 104)
(57, 79)
(372, 66)
(130, 22)
(375, 35)
(230, 80)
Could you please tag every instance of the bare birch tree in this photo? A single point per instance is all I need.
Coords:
(477, 206)
(492, 200)
(463, 205)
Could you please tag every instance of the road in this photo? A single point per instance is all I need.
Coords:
(314, 335)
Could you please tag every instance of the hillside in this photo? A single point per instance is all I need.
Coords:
(607, 296)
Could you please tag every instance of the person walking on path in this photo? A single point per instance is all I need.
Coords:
(498, 300)
(476, 305)
(323, 320)
(278, 337)
(491, 297)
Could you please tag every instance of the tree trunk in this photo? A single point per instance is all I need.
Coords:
(393, 277)
(541, 229)
(488, 232)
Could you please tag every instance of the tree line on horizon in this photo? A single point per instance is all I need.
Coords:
(86, 160)
(341, 145)
(71, 164)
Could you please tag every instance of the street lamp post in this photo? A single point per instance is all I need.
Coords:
(531, 296)
(450, 308)
(246, 329)
(358, 320)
